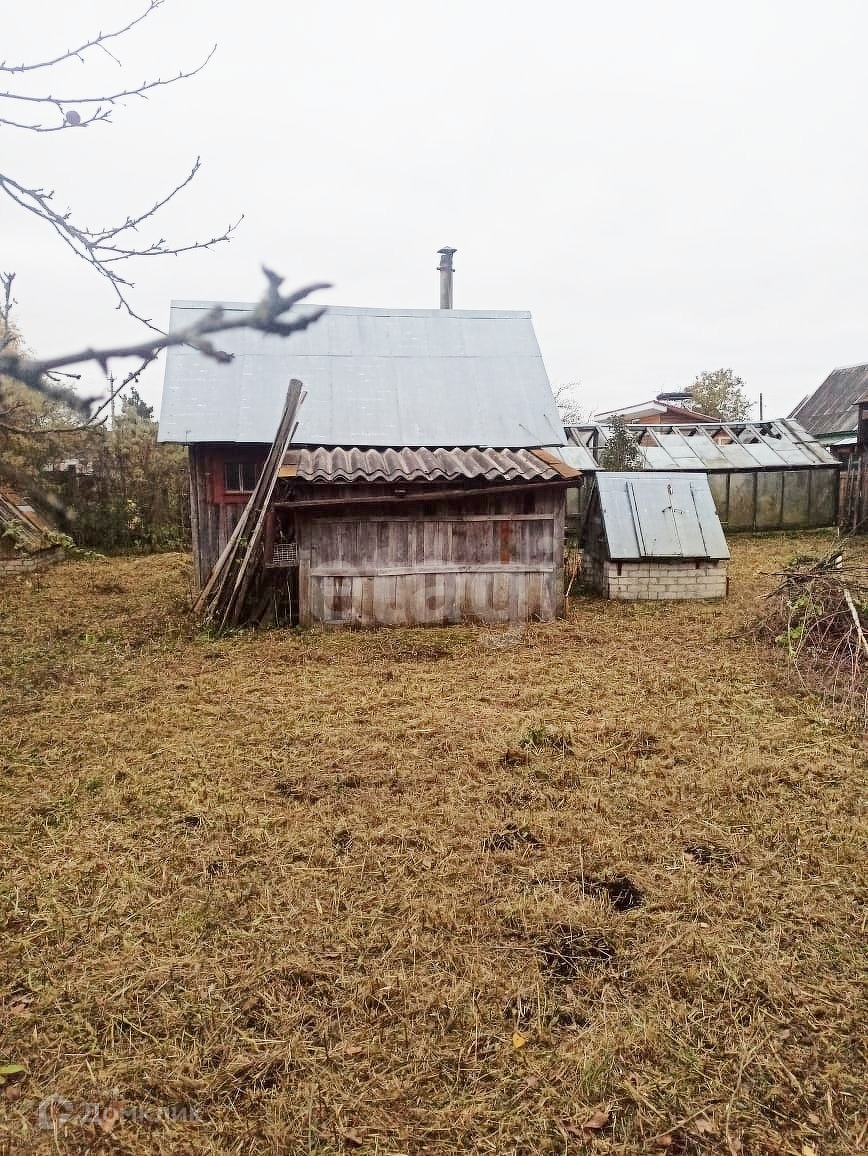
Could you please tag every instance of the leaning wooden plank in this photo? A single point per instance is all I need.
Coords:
(221, 590)
(258, 506)
(220, 565)
(235, 606)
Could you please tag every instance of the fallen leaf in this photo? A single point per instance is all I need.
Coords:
(518, 1040)
(595, 1122)
(813, 1118)
(345, 1049)
(703, 1126)
(808, 1149)
(9, 1070)
(111, 1115)
(351, 1137)
(664, 1141)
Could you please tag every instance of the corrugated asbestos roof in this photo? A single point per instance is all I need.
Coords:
(373, 377)
(659, 515)
(422, 465)
(832, 407)
(724, 446)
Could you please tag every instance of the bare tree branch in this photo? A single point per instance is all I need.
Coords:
(103, 249)
(69, 119)
(95, 247)
(99, 41)
(268, 316)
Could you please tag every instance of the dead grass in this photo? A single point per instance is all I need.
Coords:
(586, 886)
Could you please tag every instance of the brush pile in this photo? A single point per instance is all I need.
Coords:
(819, 611)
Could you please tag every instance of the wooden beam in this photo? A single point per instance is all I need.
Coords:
(415, 499)
(335, 570)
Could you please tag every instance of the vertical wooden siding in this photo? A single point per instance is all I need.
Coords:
(211, 523)
(438, 565)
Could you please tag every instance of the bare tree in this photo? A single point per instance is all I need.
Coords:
(109, 250)
(570, 409)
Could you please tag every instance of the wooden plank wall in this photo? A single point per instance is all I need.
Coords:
(211, 524)
(494, 559)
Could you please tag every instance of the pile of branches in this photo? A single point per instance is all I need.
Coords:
(819, 611)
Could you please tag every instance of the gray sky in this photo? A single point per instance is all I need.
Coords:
(668, 187)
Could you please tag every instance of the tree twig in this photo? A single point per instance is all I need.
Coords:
(269, 315)
(848, 598)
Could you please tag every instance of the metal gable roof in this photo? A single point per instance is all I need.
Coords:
(659, 515)
(373, 377)
(831, 408)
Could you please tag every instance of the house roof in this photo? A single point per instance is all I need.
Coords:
(721, 446)
(659, 515)
(831, 408)
(425, 465)
(22, 525)
(373, 377)
(678, 413)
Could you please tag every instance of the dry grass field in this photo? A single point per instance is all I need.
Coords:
(590, 886)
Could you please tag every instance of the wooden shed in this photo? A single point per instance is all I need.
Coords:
(652, 537)
(421, 536)
(419, 486)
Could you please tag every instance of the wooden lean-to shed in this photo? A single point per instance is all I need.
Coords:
(653, 536)
(419, 486)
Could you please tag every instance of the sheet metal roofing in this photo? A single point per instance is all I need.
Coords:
(725, 446)
(832, 407)
(373, 377)
(422, 465)
(659, 515)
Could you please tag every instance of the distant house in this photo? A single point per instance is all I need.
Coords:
(654, 536)
(831, 412)
(420, 486)
(662, 410)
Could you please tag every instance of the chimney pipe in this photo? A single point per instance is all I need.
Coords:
(445, 270)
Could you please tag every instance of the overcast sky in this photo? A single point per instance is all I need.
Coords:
(668, 187)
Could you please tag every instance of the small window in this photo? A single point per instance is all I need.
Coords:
(240, 477)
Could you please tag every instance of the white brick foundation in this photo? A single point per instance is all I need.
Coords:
(659, 581)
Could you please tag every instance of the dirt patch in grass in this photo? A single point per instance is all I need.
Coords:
(247, 878)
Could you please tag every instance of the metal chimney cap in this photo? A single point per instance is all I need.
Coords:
(447, 250)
